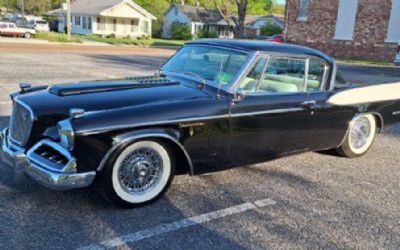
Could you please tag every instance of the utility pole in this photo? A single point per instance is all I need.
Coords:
(22, 6)
(68, 21)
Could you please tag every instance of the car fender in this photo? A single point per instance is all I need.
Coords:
(129, 137)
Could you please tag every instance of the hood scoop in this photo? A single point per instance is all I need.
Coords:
(107, 86)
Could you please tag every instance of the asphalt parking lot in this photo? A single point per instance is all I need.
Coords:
(312, 200)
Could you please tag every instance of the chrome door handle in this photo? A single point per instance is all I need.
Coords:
(309, 104)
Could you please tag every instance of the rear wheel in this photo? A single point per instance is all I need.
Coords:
(360, 137)
(138, 174)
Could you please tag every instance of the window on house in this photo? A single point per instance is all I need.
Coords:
(84, 23)
(346, 19)
(145, 27)
(134, 25)
(77, 20)
(303, 10)
(114, 24)
(89, 23)
(393, 35)
(101, 23)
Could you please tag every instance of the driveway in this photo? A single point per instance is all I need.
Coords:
(312, 200)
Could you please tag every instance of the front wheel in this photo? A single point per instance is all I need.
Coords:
(361, 135)
(138, 174)
(27, 35)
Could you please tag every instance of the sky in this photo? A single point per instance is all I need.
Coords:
(281, 1)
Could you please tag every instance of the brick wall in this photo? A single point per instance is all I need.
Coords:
(319, 30)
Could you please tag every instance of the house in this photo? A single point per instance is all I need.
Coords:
(254, 24)
(197, 18)
(122, 18)
(258, 22)
(367, 29)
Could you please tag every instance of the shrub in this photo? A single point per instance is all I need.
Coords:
(112, 36)
(207, 34)
(270, 29)
(180, 31)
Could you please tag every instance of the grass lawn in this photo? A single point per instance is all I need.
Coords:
(137, 42)
(365, 62)
(56, 37)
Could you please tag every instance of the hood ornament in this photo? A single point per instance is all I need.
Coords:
(24, 87)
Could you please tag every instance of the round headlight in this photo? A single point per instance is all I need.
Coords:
(66, 133)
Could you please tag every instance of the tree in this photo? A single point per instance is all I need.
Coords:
(269, 4)
(228, 8)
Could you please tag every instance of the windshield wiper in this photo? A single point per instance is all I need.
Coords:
(202, 80)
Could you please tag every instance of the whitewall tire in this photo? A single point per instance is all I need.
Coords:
(360, 136)
(138, 174)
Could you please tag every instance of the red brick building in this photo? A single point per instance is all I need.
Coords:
(364, 29)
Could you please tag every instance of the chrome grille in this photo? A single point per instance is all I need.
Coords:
(20, 124)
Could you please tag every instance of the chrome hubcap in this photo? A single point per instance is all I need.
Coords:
(360, 133)
(140, 171)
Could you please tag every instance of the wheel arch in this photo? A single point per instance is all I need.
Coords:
(378, 118)
(168, 136)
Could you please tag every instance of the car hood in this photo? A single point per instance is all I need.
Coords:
(109, 95)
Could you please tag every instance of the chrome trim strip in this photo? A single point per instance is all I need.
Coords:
(274, 111)
(333, 77)
(306, 73)
(191, 119)
(127, 138)
(155, 123)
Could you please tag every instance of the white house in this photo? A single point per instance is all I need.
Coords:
(197, 18)
(123, 18)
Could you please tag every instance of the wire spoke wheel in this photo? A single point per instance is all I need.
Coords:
(360, 136)
(141, 172)
(360, 132)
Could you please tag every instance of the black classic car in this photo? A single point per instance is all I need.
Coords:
(214, 105)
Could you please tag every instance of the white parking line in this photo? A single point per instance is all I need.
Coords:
(5, 102)
(177, 225)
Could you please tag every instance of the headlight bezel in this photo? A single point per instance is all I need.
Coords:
(66, 133)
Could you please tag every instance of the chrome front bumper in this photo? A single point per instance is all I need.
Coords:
(39, 171)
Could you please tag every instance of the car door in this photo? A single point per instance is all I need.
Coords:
(274, 115)
(13, 30)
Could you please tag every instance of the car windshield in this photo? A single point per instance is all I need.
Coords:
(214, 65)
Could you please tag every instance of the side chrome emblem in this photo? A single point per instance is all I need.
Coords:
(396, 112)
(191, 124)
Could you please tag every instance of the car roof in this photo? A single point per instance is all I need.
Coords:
(263, 46)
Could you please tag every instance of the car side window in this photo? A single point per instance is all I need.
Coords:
(250, 83)
(283, 75)
(316, 74)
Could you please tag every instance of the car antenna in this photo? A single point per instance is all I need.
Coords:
(219, 79)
